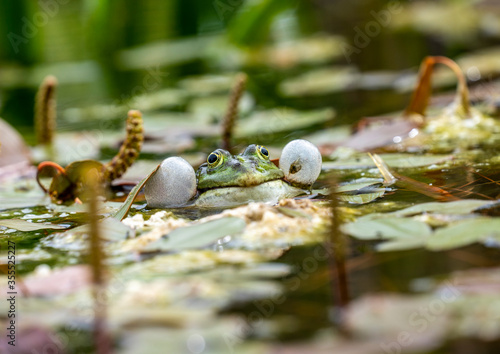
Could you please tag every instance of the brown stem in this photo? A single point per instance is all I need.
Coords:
(423, 188)
(43, 166)
(420, 98)
(336, 242)
(232, 110)
(97, 263)
(462, 89)
(45, 111)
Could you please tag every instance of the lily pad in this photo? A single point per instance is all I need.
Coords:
(24, 225)
(321, 82)
(359, 184)
(362, 198)
(110, 229)
(198, 236)
(392, 160)
(384, 228)
(401, 244)
(464, 233)
(455, 207)
(281, 120)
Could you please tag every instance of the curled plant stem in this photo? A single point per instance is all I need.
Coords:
(129, 150)
(336, 243)
(420, 98)
(45, 111)
(232, 110)
(48, 165)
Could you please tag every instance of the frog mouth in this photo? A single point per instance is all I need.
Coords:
(243, 183)
(267, 192)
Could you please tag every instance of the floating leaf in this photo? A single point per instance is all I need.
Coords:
(280, 120)
(362, 198)
(20, 195)
(198, 235)
(111, 230)
(455, 207)
(392, 160)
(464, 233)
(320, 82)
(381, 135)
(359, 184)
(24, 225)
(293, 213)
(401, 244)
(390, 227)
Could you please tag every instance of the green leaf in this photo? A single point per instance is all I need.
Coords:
(456, 207)
(127, 204)
(391, 227)
(281, 120)
(110, 229)
(198, 235)
(251, 26)
(293, 213)
(359, 184)
(465, 232)
(401, 244)
(392, 160)
(24, 225)
(362, 198)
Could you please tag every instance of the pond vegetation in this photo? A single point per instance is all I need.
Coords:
(394, 248)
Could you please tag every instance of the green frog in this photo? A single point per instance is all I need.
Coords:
(226, 180)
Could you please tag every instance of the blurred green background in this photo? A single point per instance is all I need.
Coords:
(358, 57)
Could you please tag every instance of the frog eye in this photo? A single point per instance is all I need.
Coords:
(214, 159)
(262, 151)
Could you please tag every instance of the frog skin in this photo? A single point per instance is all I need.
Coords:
(227, 180)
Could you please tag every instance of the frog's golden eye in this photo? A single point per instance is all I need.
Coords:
(214, 159)
(262, 151)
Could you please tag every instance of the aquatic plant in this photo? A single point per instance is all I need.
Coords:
(232, 111)
(45, 111)
(69, 183)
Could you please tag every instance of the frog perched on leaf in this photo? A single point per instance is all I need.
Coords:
(227, 180)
